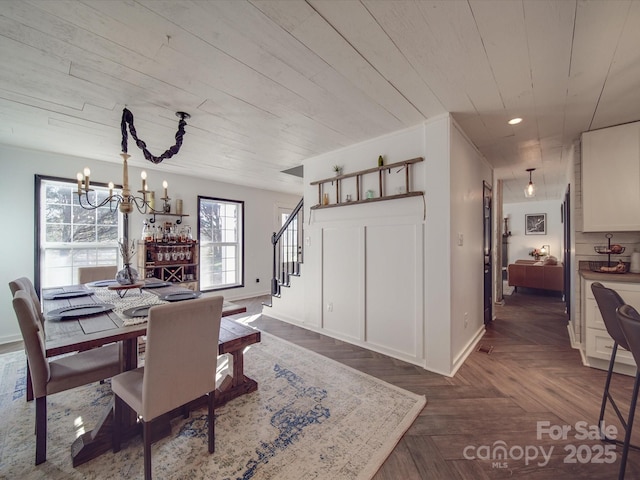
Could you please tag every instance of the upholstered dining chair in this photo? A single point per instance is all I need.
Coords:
(64, 373)
(23, 283)
(630, 325)
(180, 366)
(609, 301)
(93, 274)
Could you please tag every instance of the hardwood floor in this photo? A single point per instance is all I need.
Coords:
(531, 375)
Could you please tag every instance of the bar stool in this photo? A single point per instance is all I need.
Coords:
(630, 325)
(608, 302)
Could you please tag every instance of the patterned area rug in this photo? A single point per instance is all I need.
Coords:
(311, 418)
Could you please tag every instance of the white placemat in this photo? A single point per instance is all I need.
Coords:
(133, 298)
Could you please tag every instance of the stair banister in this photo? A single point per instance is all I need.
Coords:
(293, 239)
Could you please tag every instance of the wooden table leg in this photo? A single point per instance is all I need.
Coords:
(239, 384)
(99, 440)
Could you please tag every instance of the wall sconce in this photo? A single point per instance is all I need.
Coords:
(506, 232)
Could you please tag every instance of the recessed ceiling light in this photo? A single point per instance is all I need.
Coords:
(515, 121)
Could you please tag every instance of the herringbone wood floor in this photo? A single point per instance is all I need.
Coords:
(531, 375)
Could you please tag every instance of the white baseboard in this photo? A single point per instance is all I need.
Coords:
(471, 346)
(572, 337)
(10, 339)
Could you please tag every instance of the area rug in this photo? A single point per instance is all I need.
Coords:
(311, 418)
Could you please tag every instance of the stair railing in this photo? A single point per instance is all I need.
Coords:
(287, 249)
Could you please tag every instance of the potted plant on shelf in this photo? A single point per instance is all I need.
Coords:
(337, 169)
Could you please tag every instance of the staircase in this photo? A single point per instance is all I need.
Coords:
(287, 251)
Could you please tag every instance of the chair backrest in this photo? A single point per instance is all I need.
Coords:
(181, 354)
(23, 283)
(93, 274)
(34, 342)
(629, 319)
(608, 302)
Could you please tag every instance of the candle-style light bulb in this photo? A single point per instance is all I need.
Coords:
(79, 177)
(87, 174)
(111, 188)
(143, 175)
(165, 185)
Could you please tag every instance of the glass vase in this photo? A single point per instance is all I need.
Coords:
(128, 275)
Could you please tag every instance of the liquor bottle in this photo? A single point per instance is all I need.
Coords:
(145, 232)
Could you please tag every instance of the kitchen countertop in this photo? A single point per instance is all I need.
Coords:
(609, 277)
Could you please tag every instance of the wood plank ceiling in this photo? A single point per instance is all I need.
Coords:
(271, 83)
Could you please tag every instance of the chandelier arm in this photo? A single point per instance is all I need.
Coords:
(114, 202)
(127, 119)
(141, 204)
(89, 205)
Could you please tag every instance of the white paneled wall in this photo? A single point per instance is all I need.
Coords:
(387, 275)
(393, 269)
(342, 254)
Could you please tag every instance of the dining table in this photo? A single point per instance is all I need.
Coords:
(80, 317)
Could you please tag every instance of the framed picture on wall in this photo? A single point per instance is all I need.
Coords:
(535, 224)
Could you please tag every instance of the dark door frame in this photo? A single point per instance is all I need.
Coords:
(487, 234)
(566, 222)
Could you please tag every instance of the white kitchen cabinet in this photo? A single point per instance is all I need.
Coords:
(598, 344)
(611, 179)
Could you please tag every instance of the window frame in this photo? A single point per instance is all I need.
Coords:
(123, 220)
(240, 204)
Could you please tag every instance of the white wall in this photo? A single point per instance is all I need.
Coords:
(17, 170)
(363, 267)
(387, 275)
(468, 171)
(438, 247)
(520, 244)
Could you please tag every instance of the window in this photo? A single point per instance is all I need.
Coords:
(70, 236)
(289, 239)
(221, 235)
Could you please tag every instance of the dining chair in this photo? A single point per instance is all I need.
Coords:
(23, 283)
(92, 274)
(180, 366)
(64, 373)
(630, 325)
(609, 301)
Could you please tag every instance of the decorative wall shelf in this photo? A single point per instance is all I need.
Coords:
(360, 198)
(162, 214)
